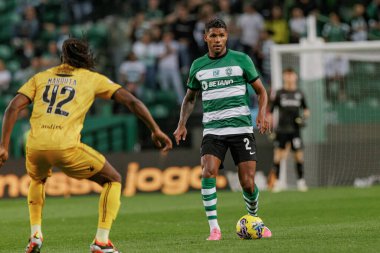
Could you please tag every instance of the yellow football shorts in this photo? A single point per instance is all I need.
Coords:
(78, 162)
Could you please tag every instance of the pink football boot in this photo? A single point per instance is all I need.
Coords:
(215, 235)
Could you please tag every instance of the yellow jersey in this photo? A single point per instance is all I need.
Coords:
(61, 97)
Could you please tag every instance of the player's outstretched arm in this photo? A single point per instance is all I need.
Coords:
(18, 103)
(160, 139)
(262, 121)
(186, 109)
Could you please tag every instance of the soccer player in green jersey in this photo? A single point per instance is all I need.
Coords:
(222, 77)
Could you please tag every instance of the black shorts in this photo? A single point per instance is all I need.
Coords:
(242, 147)
(294, 139)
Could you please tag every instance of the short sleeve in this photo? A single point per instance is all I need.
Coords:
(249, 69)
(193, 82)
(29, 89)
(105, 87)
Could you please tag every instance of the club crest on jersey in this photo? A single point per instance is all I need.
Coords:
(215, 72)
(228, 71)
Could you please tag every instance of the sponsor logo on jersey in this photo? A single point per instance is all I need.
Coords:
(216, 83)
(223, 72)
(215, 72)
(289, 102)
(204, 85)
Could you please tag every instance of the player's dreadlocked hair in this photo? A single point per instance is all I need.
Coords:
(77, 53)
(215, 23)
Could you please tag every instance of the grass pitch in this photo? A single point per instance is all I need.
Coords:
(321, 220)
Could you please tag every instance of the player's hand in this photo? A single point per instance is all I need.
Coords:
(3, 155)
(180, 134)
(301, 122)
(162, 141)
(262, 123)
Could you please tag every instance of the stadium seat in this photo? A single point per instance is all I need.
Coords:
(97, 35)
(166, 98)
(9, 19)
(5, 52)
(77, 30)
(7, 6)
(7, 22)
(13, 65)
(3, 7)
(159, 111)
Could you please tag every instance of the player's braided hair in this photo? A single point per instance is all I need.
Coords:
(77, 53)
(215, 23)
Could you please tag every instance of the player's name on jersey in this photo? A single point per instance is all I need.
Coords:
(61, 80)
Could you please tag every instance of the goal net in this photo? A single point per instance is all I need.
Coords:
(341, 82)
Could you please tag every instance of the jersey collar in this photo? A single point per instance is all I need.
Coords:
(218, 57)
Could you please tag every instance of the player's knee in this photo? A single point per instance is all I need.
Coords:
(207, 173)
(36, 182)
(114, 177)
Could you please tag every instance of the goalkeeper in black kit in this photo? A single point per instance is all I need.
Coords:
(293, 112)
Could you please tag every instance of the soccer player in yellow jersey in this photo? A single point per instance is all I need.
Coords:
(61, 97)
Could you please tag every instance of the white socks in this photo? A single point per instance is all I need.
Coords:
(102, 235)
(213, 224)
(34, 229)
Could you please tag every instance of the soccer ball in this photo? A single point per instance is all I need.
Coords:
(250, 227)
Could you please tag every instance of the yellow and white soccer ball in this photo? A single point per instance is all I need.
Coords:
(250, 227)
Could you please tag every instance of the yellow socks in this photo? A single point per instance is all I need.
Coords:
(109, 204)
(36, 200)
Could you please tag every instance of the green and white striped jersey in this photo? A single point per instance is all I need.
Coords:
(223, 83)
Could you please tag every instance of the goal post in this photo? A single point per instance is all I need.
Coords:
(341, 82)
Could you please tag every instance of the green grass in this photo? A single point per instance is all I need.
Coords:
(321, 220)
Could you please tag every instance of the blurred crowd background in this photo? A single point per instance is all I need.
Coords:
(149, 45)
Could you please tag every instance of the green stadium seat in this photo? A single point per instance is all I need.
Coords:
(7, 6)
(7, 23)
(6, 34)
(3, 6)
(13, 65)
(5, 52)
(97, 35)
(77, 30)
(9, 19)
(10, 5)
(167, 99)
(159, 111)
(148, 96)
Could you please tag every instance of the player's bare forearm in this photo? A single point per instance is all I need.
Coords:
(18, 103)
(124, 97)
(187, 106)
(262, 120)
(186, 109)
(262, 95)
(306, 113)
